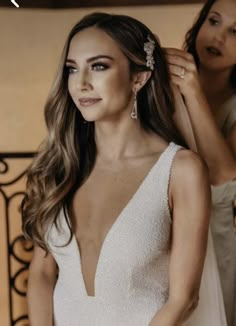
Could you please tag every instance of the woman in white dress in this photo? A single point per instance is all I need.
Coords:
(121, 210)
(208, 87)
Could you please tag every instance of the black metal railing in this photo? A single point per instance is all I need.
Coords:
(13, 167)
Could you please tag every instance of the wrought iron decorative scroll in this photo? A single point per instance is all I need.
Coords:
(18, 249)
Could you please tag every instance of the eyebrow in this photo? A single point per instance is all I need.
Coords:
(218, 14)
(215, 12)
(100, 56)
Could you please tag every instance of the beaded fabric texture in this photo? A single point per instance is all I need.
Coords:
(131, 281)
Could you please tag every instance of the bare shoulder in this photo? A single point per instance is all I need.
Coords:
(188, 165)
(189, 174)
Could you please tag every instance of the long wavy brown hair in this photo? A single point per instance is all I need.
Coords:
(67, 156)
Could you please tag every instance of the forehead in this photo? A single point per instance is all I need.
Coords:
(93, 41)
(226, 8)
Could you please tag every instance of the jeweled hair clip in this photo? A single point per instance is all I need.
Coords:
(149, 48)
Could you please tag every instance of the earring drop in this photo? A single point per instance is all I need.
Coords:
(134, 112)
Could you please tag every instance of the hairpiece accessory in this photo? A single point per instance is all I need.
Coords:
(134, 112)
(149, 48)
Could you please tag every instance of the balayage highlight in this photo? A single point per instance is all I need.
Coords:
(67, 156)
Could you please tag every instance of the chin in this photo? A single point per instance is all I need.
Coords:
(90, 118)
(91, 115)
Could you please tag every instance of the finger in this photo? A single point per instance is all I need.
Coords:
(178, 53)
(182, 63)
(177, 70)
(176, 60)
(175, 80)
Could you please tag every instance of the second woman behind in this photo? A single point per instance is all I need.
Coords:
(206, 78)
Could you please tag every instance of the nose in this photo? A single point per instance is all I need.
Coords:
(83, 82)
(220, 36)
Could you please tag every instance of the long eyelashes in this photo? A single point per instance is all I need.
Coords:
(70, 70)
(98, 66)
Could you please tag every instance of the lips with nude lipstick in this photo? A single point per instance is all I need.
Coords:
(88, 101)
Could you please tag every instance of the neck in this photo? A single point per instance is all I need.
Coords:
(216, 86)
(117, 141)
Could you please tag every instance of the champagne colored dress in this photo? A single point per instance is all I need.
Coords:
(222, 224)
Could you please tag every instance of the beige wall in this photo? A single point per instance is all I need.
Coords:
(30, 46)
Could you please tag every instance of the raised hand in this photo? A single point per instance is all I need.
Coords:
(183, 71)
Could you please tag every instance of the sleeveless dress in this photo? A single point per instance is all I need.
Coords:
(223, 230)
(131, 281)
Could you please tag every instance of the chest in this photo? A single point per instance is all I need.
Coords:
(101, 199)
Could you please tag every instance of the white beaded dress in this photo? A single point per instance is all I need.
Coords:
(131, 282)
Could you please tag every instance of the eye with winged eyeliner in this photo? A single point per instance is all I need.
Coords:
(98, 66)
(71, 64)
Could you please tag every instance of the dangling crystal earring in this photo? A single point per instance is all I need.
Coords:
(134, 112)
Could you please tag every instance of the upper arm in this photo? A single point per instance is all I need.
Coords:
(191, 205)
(231, 139)
(43, 264)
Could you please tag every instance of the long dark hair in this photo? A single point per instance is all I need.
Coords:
(67, 156)
(191, 36)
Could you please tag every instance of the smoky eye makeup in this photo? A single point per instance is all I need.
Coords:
(96, 63)
(97, 66)
(70, 69)
(70, 66)
(100, 66)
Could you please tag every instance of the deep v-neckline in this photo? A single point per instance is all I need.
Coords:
(113, 226)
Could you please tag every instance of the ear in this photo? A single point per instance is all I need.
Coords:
(140, 79)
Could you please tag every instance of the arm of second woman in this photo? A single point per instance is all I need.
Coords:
(211, 144)
(189, 198)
